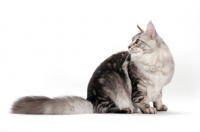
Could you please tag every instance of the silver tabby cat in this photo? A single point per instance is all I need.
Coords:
(122, 83)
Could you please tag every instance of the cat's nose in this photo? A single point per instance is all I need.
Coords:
(129, 46)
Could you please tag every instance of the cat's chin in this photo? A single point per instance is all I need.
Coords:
(134, 52)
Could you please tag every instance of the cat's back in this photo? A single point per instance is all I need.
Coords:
(108, 75)
(112, 63)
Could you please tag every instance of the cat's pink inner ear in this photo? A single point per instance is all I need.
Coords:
(151, 31)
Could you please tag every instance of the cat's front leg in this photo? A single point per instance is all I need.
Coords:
(142, 103)
(158, 103)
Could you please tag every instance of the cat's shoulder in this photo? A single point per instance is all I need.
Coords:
(118, 57)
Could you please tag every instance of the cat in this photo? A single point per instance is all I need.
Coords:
(122, 83)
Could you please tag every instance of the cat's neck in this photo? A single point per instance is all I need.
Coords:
(157, 59)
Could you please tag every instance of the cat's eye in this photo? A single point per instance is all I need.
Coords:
(137, 41)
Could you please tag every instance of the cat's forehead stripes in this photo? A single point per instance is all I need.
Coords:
(136, 37)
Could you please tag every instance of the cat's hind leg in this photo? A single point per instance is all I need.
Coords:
(108, 106)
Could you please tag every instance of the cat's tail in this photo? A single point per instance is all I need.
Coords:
(58, 106)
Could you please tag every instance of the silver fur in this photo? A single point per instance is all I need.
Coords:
(59, 106)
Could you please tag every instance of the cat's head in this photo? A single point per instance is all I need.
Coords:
(145, 42)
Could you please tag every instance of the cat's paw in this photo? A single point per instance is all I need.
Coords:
(149, 110)
(127, 110)
(162, 108)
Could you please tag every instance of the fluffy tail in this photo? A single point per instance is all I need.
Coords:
(59, 106)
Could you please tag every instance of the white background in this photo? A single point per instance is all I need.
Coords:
(52, 47)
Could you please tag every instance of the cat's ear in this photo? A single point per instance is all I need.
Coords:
(151, 31)
(140, 29)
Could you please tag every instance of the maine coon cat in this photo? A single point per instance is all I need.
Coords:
(122, 83)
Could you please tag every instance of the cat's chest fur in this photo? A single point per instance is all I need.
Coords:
(154, 71)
